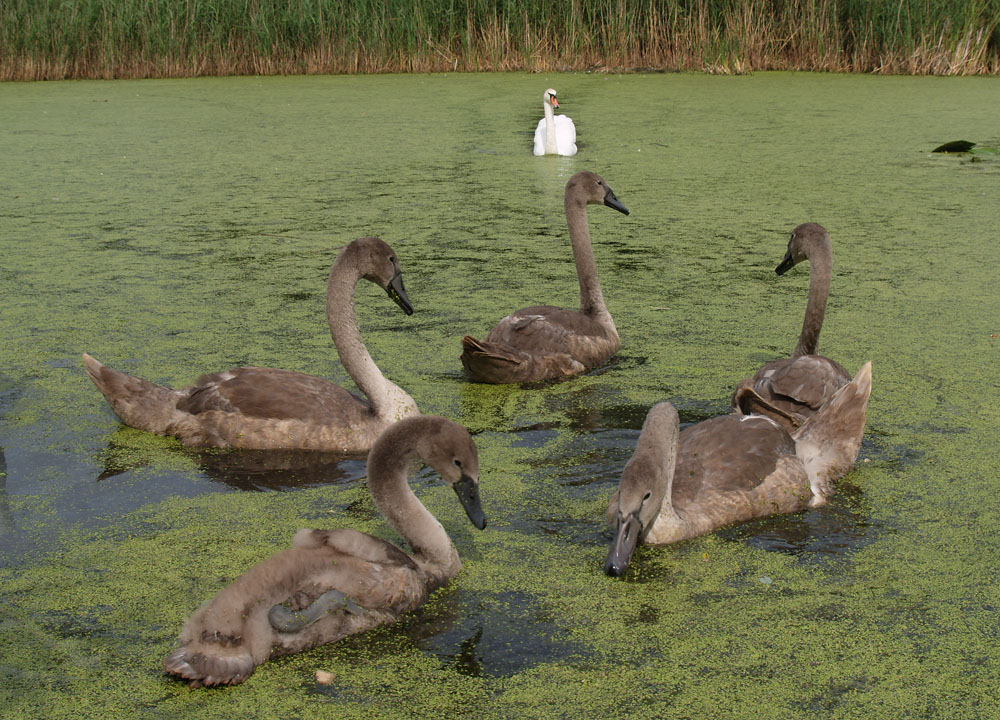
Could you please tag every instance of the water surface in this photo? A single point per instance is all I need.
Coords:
(171, 228)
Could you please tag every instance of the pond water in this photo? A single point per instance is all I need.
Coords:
(176, 227)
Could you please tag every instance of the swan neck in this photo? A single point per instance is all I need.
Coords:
(389, 487)
(820, 272)
(550, 130)
(658, 441)
(591, 298)
(344, 276)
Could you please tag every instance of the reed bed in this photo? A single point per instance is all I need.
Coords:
(57, 39)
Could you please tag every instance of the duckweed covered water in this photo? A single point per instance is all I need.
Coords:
(171, 228)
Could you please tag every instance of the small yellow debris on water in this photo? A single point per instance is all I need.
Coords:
(323, 677)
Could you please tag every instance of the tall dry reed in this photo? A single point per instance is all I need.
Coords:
(55, 39)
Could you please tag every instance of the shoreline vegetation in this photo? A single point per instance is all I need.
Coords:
(55, 40)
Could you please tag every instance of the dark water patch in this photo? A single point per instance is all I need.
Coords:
(586, 459)
(92, 622)
(281, 470)
(839, 528)
(534, 436)
(691, 411)
(835, 694)
(623, 417)
(496, 635)
(362, 509)
(587, 532)
(10, 392)
(537, 433)
(618, 363)
(486, 635)
(6, 515)
(646, 614)
(878, 449)
(595, 458)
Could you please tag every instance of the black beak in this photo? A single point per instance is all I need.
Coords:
(612, 202)
(467, 490)
(786, 264)
(627, 529)
(398, 293)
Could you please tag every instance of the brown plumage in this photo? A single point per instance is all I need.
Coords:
(543, 342)
(732, 468)
(264, 408)
(371, 582)
(797, 386)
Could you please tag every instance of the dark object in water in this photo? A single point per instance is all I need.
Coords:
(955, 146)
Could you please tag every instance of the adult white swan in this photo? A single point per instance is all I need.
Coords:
(555, 134)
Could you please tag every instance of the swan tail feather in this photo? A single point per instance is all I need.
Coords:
(490, 363)
(747, 401)
(829, 441)
(139, 403)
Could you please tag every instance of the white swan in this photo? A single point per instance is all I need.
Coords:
(555, 134)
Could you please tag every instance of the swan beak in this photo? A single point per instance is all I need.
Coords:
(555, 103)
(398, 293)
(467, 490)
(627, 529)
(613, 202)
(786, 264)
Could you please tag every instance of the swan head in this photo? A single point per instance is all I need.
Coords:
(593, 189)
(377, 263)
(806, 239)
(448, 448)
(549, 97)
(645, 483)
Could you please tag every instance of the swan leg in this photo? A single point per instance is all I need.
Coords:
(289, 620)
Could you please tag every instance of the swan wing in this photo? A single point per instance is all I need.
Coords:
(545, 329)
(565, 135)
(727, 454)
(272, 394)
(539, 146)
(809, 380)
(356, 544)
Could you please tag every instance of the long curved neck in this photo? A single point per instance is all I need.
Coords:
(591, 298)
(820, 272)
(550, 130)
(382, 394)
(387, 482)
(657, 444)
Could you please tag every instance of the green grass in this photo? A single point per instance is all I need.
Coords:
(54, 39)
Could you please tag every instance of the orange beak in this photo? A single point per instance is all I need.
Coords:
(555, 103)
